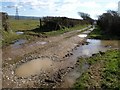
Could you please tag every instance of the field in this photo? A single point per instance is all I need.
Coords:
(18, 25)
(31, 31)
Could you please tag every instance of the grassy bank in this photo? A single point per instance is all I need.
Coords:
(97, 33)
(18, 25)
(102, 73)
(9, 37)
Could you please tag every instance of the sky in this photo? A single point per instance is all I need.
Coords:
(66, 8)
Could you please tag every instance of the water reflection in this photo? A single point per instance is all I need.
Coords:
(82, 35)
(18, 43)
(19, 33)
(94, 46)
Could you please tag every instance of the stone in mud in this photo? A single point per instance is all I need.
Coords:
(75, 48)
(71, 53)
(77, 45)
(93, 54)
(101, 52)
(82, 43)
(87, 43)
(65, 55)
(78, 60)
(72, 49)
(59, 76)
(68, 54)
(72, 67)
(9, 59)
(49, 81)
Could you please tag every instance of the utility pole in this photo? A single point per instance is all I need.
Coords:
(40, 22)
(17, 15)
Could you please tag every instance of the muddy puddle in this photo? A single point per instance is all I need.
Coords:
(19, 33)
(18, 43)
(93, 47)
(39, 43)
(34, 67)
(82, 35)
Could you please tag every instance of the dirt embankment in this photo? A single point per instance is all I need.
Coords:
(56, 50)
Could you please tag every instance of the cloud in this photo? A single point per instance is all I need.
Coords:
(111, 5)
(8, 0)
(90, 5)
(68, 8)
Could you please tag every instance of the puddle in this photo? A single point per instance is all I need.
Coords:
(38, 43)
(82, 35)
(19, 33)
(42, 43)
(93, 47)
(34, 67)
(18, 43)
(70, 78)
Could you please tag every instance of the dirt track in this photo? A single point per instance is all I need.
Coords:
(58, 49)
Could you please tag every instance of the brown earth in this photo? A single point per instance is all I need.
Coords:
(95, 74)
(58, 49)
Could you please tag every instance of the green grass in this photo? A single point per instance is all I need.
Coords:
(110, 71)
(28, 26)
(58, 32)
(17, 25)
(9, 37)
(0, 40)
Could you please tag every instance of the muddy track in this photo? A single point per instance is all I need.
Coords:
(58, 49)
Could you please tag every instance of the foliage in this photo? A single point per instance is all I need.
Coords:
(97, 33)
(109, 23)
(57, 23)
(61, 31)
(86, 17)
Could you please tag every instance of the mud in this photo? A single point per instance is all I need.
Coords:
(45, 62)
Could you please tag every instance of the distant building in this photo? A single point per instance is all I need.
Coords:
(119, 7)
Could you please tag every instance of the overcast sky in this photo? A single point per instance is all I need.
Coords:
(67, 8)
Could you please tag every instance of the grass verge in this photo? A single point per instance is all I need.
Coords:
(102, 73)
(58, 32)
(10, 37)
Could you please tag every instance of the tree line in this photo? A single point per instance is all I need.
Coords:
(57, 23)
